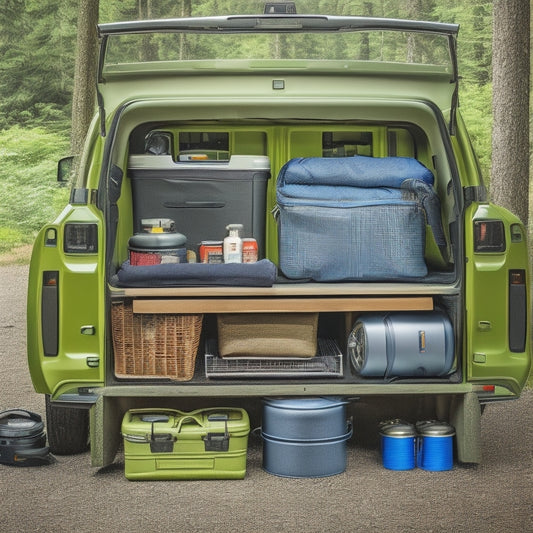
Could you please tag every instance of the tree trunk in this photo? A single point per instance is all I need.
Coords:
(509, 183)
(186, 10)
(83, 103)
(364, 53)
(414, 10)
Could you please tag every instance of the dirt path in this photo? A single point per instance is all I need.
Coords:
(71, 496)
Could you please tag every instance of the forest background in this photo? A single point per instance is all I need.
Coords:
(37, 64)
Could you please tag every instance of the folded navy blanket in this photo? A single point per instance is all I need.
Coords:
(260, 274)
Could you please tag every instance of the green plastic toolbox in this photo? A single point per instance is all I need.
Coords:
(170, 444)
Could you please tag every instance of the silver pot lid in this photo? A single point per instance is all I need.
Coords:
(435, 428)
(397, 428)
(306, 403)
(159, 241)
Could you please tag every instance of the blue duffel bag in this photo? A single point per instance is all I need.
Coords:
(355, 218)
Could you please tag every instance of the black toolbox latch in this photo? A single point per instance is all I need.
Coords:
(163, 443)
(217, 442)
(160, 442)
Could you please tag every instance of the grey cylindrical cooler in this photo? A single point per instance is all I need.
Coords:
(305, 437)
(402, 344)
(435, 445)
(156, 248)
(398, 444)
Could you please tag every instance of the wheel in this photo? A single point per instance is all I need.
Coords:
(67, 429)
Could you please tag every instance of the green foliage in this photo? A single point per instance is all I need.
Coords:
(30, 195)
(475, 104)
(37, 47)
(11, 238)
(475, 37)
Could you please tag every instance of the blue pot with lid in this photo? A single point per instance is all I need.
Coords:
(305, 437)
(398, 444)
(435, 445)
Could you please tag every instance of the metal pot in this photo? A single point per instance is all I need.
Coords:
(156, 248)
(304, 419)
(311, 458)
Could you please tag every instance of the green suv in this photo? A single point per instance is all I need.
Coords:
(372, 265)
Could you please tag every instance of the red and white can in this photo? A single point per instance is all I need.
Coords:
(249, 250)
(211, 252)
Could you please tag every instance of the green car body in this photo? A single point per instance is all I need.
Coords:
(278, 108)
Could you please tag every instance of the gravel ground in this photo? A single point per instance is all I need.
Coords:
(72, 496)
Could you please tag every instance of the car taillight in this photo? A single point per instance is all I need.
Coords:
(50, 312)
(489, 236)
(484, 389)
(80, 238)
(517, 310)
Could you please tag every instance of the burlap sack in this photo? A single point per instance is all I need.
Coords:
(267, 335)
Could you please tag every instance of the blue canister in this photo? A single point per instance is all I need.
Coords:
(435, 445)
(398, 444)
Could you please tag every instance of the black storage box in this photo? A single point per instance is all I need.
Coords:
(202, 198)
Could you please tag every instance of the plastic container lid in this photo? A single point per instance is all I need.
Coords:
(236, 162)
(397, 428)
(305, 403)
(157, 241)
(20, 423)
(435, 428)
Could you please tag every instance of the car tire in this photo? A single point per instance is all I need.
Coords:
(67, 429)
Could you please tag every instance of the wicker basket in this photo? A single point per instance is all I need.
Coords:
(154, 345)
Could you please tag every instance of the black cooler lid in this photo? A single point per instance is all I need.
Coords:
(20, 423)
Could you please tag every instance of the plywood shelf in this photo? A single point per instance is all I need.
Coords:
(281, 305)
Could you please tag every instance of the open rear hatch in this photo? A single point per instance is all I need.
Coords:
(354, 46)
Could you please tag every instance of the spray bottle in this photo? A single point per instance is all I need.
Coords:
(233, 244)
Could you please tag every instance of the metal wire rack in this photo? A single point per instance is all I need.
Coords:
(326, 363)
